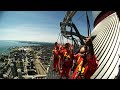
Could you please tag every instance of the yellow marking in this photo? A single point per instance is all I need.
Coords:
(83, 69)
(65, 54)
(79, 66)
(68, 56)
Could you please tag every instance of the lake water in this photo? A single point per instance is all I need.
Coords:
(6, 44)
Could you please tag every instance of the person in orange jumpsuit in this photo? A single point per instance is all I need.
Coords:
(80, 63)
(67, 61)
(56, 57)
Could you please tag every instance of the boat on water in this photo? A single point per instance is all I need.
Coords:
(106, 43)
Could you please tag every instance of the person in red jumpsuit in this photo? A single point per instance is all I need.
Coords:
(80, 63)
(56, 57)
(61, 47)
(92, 63)
(67, 61)
(87, 62)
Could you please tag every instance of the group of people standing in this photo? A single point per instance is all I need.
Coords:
(83, 63)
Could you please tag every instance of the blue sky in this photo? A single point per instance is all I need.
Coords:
(41, 26)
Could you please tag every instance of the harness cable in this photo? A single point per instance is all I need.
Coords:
(89, 34)
(67, 39)
(88, 25)
(58, 37)
(73, 49)
(71, 32)
(72, 38)
(62, 39)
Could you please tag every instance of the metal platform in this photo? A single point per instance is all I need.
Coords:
(53, 74)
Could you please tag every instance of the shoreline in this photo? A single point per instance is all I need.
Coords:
(6, 49)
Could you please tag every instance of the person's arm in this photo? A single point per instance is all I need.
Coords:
(76, 56)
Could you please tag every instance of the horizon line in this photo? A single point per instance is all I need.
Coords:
(27, 41)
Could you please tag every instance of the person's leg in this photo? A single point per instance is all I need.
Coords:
(62, 72)
(68, 69)
(54, 65)
(58, 66)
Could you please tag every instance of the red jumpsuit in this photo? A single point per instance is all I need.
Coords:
(56, 59)
(66, 63)
(91, 67)
(88, 70)
(79, 65)
(61, 48)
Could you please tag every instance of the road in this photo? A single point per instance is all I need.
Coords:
(39, 67)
